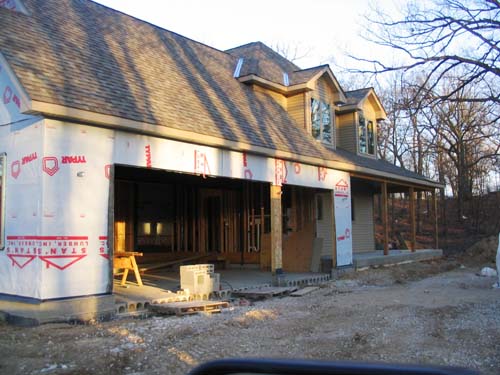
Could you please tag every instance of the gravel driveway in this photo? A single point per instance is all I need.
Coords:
(435, 313)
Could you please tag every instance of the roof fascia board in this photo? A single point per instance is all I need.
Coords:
(347, 108)
(284, 90)
(114, 122)
(399, 183)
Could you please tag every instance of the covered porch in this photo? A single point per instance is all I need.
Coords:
(400, 221)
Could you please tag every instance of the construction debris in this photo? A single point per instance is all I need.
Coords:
(264, 292)
(304, 291)
(189, 308)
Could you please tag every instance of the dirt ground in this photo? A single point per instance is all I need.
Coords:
(434, 313)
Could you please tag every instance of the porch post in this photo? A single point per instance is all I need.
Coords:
(385, 221)
(276, 231)
(436, 228)
(412, 219)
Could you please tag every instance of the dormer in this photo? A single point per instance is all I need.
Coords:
(313, 98)
(320, 104)
(358, 122)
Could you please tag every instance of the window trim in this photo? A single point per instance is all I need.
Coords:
(366, 135)
(3, 185)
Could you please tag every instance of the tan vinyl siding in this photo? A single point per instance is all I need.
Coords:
(323, 90)
(346, 132)
(278, 98)
(362, 227)
(296, 107)
(324, 226)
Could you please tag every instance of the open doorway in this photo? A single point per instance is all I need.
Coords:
(171, 216)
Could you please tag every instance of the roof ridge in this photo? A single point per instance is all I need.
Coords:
(364, 88)
(266, 49)
(243, 45)
(312, 68)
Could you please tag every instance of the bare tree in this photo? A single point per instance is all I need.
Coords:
(457, 37)
(292, 52)
(468, 136)
(393, 133)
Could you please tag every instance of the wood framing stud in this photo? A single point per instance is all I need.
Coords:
(436, 228)
(276, 230)
(413, 221)
(385, 221)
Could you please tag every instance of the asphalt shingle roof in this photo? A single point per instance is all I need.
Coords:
(355, 96)
(262, 61)
(80, 54)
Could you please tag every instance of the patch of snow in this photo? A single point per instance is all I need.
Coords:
(488, 272)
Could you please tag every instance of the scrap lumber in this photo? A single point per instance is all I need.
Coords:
(304, 291)
(264, 292)
(188, 308)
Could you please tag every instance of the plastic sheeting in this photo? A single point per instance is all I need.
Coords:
(76, 182)
(343, 222)
(21, 138)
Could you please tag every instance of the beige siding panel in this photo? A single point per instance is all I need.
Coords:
(324, 226)
(278, 98)
(346, 132)
(296, 107)
(323, 91)
(362, 226)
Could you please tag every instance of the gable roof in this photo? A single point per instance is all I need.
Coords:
(356, 98)
(82, 56)
(305, 75)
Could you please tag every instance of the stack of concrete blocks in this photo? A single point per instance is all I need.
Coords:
(199, 281)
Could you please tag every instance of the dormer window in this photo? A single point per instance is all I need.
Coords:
(366, 135)
(321, 121)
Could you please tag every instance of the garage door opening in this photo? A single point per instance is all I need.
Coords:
(173, 216)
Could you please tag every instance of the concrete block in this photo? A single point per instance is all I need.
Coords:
(80, 309)
(394, 257)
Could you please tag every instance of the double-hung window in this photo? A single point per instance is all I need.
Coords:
(321, 121)
(366, 135)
